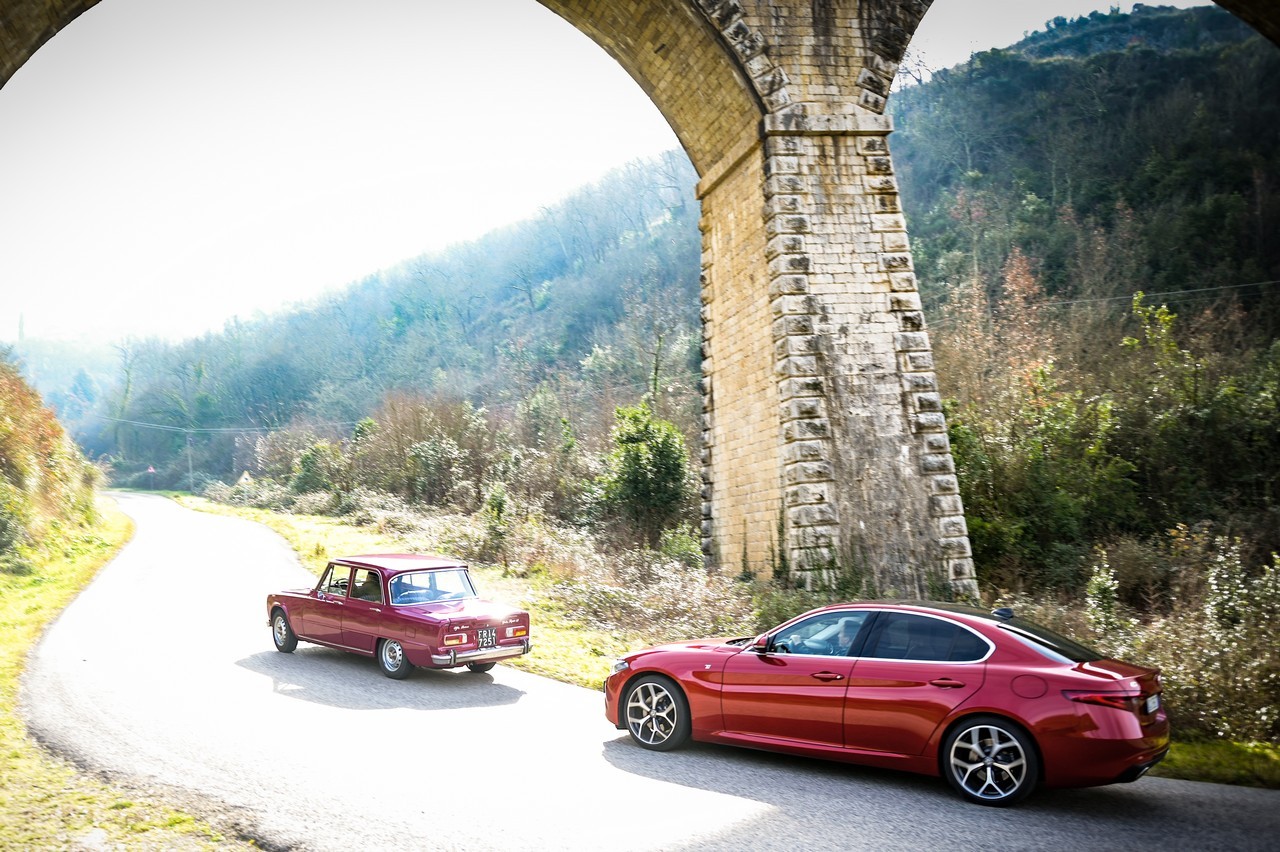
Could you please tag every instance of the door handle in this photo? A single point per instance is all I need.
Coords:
(827, 676)
(946, 683)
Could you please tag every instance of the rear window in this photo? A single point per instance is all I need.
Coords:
(1055, 646)
(420, 587)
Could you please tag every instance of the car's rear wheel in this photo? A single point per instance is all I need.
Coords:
(990, 761)
(392, 659)
(657, 713)
(281, 633)
(480, 668)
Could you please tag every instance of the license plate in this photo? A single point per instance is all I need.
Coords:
(1151, 705)
(487, 637)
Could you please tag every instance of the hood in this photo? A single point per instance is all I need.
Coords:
(724, 646)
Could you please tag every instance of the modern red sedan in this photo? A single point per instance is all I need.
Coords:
(404, 610)
(993, 703)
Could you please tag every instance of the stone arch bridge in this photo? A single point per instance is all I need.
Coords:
(824, 438)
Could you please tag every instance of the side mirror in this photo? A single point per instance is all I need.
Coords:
(761, 644)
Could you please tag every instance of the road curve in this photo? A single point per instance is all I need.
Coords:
(162, 675)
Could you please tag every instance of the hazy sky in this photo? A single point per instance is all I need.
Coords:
(168, 164)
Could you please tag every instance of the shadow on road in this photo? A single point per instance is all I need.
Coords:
(339, 679)
(894, 810)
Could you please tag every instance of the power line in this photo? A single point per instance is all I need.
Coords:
(1172, 294)
(210, 430)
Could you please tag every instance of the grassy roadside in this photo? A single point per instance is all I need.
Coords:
(45, 803)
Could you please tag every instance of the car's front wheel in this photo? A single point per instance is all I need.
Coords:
(990, 761)
(281, 633)
(392, 659)
(480, 668)
(657, 713)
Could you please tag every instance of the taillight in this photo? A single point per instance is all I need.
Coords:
(516, 632)
(1119, 699)
(455, 639)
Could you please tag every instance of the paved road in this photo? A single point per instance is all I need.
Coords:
(162, 675)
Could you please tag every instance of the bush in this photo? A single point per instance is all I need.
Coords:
(639, 590)
(1216, 649)
(647, 478)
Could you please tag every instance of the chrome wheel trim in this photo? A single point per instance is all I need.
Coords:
(392, 655)
(280, 628)
(988, 762)
(651, 713)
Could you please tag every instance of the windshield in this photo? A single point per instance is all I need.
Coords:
(449, 584)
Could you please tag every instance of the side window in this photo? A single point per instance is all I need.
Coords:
(367, 586)
(335, 581)
(904, 636)
(830, 634)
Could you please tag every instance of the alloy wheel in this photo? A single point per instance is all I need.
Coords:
(989, 763)
(652, 714)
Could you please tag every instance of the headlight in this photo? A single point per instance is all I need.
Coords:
(620, 666)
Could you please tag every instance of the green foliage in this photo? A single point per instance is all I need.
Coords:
(1041, 483)
(497, 523)
(319, 467)
(646, 479)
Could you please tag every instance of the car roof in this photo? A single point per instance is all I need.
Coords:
(400, 562)
(940, 607)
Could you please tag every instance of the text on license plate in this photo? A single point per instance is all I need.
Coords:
(1152, 704)
(488, 637)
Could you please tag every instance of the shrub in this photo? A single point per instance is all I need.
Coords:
(1216, 649)
(647, 478)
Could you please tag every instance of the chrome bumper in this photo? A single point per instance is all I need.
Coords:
(480, 655)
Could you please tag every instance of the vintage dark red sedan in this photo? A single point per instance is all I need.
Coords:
(402, 609)
(995, 704)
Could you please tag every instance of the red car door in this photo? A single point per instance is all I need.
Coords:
(914, 672)
(362, 614)
(322, 615)
(796, 690)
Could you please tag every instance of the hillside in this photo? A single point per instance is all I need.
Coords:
(576, 300)
(44, 480)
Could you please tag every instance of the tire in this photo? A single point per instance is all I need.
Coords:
(990, 761)
(392, 659)
(282, 633)
(656, 713)
(480, 668)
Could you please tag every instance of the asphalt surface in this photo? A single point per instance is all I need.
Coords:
(162, 676)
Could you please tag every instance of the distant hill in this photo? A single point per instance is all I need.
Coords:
(586, 298)
(1164, 29)
(1155, 136)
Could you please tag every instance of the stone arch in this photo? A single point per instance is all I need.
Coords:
(824, 440)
